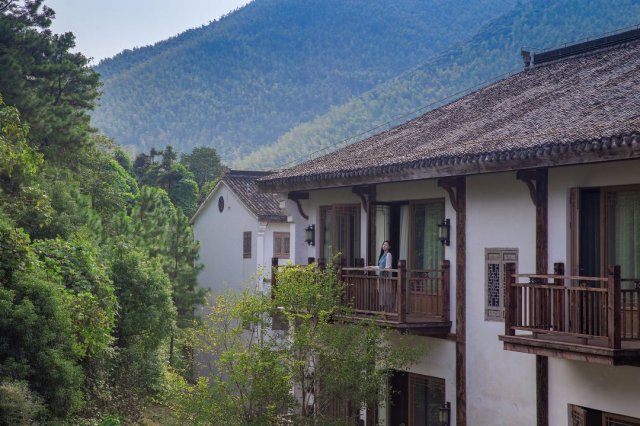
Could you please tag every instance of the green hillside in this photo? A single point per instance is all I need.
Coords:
(244, 81)
(492, 52)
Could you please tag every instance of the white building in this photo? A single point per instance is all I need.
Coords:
(240, 229)
(535, 173)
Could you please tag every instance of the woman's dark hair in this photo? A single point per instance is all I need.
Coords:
(381, 250)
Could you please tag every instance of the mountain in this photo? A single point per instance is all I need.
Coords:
(490, 54)
(244, 81)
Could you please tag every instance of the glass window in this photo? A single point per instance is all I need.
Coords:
(427, 251)
(340, 232)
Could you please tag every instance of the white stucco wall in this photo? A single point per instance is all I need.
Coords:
(601, 387)
(501, 386)
(221, 242)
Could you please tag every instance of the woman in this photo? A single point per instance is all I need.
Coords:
(386, 284)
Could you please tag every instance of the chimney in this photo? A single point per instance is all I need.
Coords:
(526, 55)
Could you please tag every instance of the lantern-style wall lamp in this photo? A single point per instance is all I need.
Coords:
(310, 235)
(444, 413)
(444, 232)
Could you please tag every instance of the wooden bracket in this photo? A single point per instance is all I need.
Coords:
(535, 181)
(297, 196)
(367, 194)
(452, 185)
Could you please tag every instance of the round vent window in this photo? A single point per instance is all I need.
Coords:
(221, 204)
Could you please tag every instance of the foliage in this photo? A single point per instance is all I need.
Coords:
(18, 405)
(92, 295)
(37, 342)
(252, 368)
(51, 87)
(242, 82)
(144, 323)
(177, 180)
(204, 163)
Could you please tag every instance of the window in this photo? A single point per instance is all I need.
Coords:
(281, 243)
(340, 232)
(606, 231)
(246, 245)
(426, 251)
(496, 263)
(415, 400)
(581, 416)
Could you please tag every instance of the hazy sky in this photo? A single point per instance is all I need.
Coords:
(106, 27)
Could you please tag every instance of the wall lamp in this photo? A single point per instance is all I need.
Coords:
(444, 413)
(310, 235)
(444, 232)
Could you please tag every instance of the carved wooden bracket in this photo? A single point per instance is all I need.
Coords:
(367, 194)
(297, 196)
(536, 181)
(452, 185)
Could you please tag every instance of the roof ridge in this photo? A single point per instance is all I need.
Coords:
(589, 46)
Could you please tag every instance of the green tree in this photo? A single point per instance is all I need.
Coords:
(253, 368)
(38, 344)
(52, 87)
(204, 163)
(144, 323)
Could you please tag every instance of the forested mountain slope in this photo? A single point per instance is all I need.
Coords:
(492, 52)
(245, 80)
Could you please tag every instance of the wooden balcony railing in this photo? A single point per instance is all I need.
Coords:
(398, 294)
(586, 308)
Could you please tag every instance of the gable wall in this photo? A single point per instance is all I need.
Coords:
(220, 236)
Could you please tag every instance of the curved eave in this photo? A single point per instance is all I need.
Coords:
(622, 147)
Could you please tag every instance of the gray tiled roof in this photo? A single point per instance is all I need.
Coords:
(264, 205)
(577, 109)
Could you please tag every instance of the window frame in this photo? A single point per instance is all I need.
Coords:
(492, 313)
(279, 245)
(412, 230)
(246, 244)
(334, 231)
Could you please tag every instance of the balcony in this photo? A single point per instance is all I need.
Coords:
(413, 301)
(589, 319)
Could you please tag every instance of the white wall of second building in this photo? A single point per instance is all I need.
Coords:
(501, 385)
(221, 243)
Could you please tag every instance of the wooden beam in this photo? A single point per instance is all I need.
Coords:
(538, 181)
(297, 196)
(457, 189)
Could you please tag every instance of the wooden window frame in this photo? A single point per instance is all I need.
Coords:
(493, 313)
(574, 223)
(246, 245)
(334, 230)
(422, 379)
(279, 252)
(411, 242)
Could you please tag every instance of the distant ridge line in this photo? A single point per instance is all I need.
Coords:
(585, 47)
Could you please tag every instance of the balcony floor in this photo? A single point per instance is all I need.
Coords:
(413, 324)
(574, 348)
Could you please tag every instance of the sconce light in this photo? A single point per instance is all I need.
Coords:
(444, 232)
(444, 414)
(310, 235)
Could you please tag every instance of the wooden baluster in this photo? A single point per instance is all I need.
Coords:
(614, 307)
(322, 263)
(274, 276)
(401, 301)
(510, 300)
(446, 280)
(558, 303)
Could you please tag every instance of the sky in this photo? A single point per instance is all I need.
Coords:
(104, 28)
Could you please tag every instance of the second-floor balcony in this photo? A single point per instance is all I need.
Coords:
(414, 301)
(590, 319)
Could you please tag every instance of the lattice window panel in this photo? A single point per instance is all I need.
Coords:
(496, 263)
(281, 244)
(246, 245)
